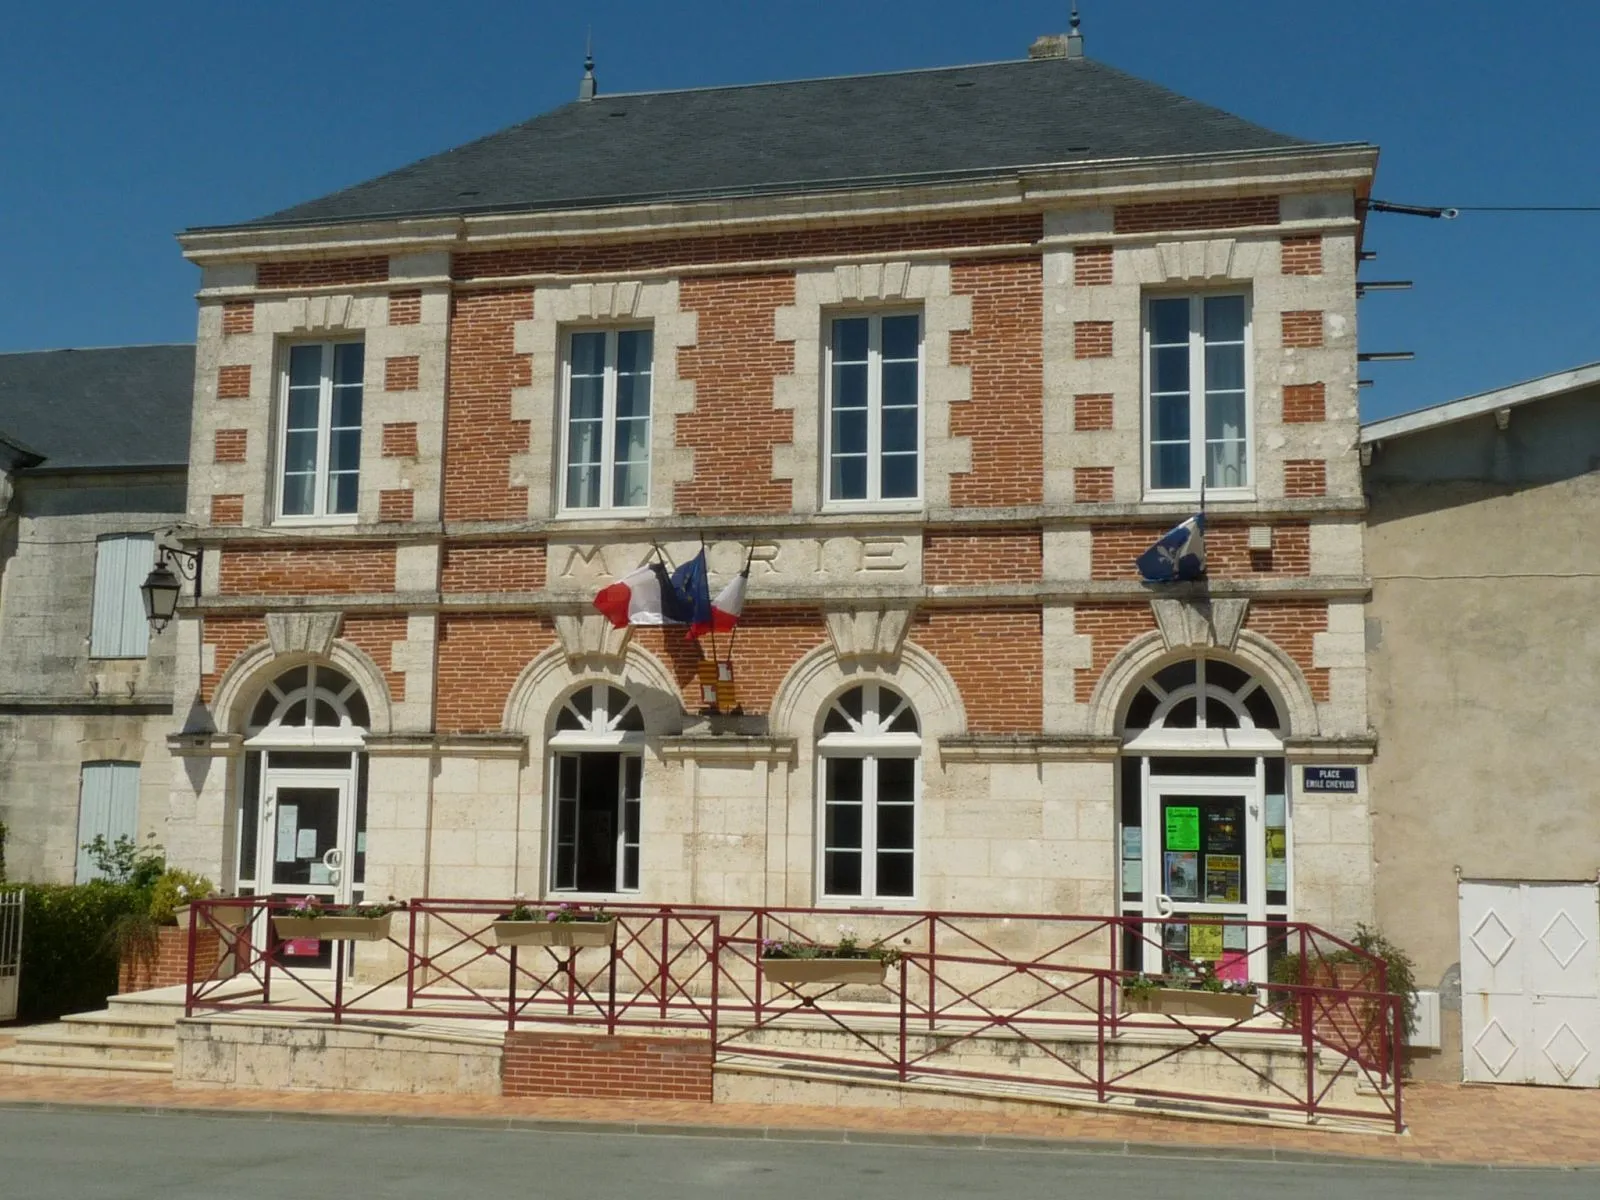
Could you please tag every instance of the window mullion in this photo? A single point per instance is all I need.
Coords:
(869, 827)
(608, 424)
(320, 504)
(875, 408)
(1197, 393)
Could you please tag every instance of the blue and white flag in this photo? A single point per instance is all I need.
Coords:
(1179, 555)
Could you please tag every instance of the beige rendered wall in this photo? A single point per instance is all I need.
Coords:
(1484, 656)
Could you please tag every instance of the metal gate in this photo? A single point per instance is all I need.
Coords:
(1530, 983)
(10, 951)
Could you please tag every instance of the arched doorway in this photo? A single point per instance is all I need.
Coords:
(597, 783)
(1204, 818)
(303, 796)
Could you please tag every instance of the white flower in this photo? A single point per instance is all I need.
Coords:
(847, 931)
(183, 892)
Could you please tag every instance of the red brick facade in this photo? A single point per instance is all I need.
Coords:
(375, 635)
(396, 504)
(492, 567)
(995, 656)
(734, 425)
(238, 316)
(405, 308)
(400, 373)
(1005, 350)
(480, 436)
(1109, 627)
(228, 446)
(480, 656)
(992, 556)
(1302, 255)
(1302, 330)
(573, 258)
(1292, 625)
(170, 966)
(1305, 477)
(249, 570)
(233, 382)
(229, 635)
(322, 272)
(606, 1068)
(400, 439)
(1091, 339)
(1113, 549)
(227, 509)
(1093, 485)
(1304, 403)
(1225, 213)
(1091, 412)
(1091, 265)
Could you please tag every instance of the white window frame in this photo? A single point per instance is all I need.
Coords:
(870, 745)
(117, 624)
(319, 514)
(1197, 398)
(874, 497)
(601, 734)
(608, 425)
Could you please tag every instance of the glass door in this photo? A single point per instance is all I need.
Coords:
(306, 849)
(1202, 867)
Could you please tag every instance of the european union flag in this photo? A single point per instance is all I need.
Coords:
(691, 586)
(1180, 554)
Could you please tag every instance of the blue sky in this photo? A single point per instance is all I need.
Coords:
(126, 123)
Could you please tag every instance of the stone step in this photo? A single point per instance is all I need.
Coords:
(152, 1005)
(81, 1067)
(58, 1044)
(131, 1026)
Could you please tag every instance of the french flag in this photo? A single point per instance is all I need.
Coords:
(1180, 555)
(646, 596)
(726, 609)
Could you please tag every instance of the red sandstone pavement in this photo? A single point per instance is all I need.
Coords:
(1499, 1126)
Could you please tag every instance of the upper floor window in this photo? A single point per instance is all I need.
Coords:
(118, 626)
(873, 430)
(320, 432)
(1197, 393)
(606, 419)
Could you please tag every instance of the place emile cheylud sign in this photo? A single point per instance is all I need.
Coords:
(1329, 779)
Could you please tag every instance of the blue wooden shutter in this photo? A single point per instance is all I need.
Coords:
(121, 564)
(108, 806)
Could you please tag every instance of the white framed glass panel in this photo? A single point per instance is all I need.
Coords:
(597, 783)
(606, 419)
(873, 426)
(319, 453)
(1197, 393)
(118, 627)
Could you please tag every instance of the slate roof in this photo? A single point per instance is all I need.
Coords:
(127, 406)
(949, 123)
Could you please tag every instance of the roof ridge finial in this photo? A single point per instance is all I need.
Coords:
(586, 86)
(1074, 34)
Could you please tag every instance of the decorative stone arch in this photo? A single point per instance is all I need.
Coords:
(812, 683)
(1145, 655)
(552, 675)
(258, 666)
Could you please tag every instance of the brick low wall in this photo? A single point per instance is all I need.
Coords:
(171, 965)
(598, 1067)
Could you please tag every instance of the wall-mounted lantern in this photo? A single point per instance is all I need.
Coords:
(161, 587)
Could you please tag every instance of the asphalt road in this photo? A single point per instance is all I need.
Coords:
(128, 1156)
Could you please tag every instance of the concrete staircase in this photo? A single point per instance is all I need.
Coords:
(131, 1037)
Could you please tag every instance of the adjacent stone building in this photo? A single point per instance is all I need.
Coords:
(93, 447)
(943, 351)
(1482, 648)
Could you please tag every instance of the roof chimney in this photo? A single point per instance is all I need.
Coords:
(1059, 45)
(586, 84)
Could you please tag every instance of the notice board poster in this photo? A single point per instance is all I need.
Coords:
(1183, 828)
(1181, 875)
(1223, 879)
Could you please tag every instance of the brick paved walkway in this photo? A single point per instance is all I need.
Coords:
(1449, 1123)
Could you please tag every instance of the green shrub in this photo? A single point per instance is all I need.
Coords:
(173, 890)
(69, 959)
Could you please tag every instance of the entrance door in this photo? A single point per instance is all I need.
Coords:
(1203, 860)
(1530, 983)
(308, 827)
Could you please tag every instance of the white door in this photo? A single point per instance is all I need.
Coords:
(308, 833)
(1530, 983)
(1204, 861)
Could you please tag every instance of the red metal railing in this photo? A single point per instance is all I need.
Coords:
(1046, 992)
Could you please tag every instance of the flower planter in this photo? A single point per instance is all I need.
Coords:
(824, 970)
(555, 933)
(229, 916)
(1181, 1002)
(333, 929)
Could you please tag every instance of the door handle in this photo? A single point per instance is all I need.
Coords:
(1163, 905)
(333, 859)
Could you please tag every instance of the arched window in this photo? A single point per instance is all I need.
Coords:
(310, 703)
(1204, 694)
(870, 750)
(597, 774)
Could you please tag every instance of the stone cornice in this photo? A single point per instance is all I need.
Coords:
(1355, 749)
(711, 747)
(1031, 748)
(1084, 184)
(460, 745)
(204, 745)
